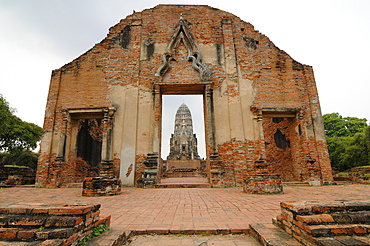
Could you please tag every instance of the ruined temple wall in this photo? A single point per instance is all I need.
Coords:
(249, 74)
(267, 78)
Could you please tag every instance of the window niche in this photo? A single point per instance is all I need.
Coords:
(91, 136)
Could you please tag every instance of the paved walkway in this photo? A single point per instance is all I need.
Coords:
(188, 240)
(196, 209)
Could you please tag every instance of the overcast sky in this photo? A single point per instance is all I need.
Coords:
(332, 36)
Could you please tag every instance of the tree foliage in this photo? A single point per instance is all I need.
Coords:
(15, 133)
(338, 126)
(348, 141)
(20, 157)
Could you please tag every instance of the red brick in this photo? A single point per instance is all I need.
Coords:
(71, 239)
(8, 233)
(341, 229)
(51, 242)
(40, 210)
(26, 234)
(62, 221)
(66, 210)
(315, 219)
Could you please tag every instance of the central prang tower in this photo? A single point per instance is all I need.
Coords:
(183, 143)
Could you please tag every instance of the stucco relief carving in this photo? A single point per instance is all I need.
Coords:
(182, 35)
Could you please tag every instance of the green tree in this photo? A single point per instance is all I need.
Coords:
(358, 151)
(337, 147)
(20, 157)
(15, 133)
(338, 126)
(348, 141)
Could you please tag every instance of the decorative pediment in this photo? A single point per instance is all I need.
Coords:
(183, 36)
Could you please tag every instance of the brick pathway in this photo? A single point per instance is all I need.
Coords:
(176, 210)
(214, 240)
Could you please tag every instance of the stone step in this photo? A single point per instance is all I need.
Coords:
(295, 183)
(113, 237)
(49, 242)
(42, 209)
(337, 230)
(182, 186)
(312, 207)
(184, 175)
(343, 240)
(335, 223)
(42, 224)
(72, 185)
(337, 218)
(45, 221)
(29, 235)
(271, 235)
(321, 229)
(186, 182)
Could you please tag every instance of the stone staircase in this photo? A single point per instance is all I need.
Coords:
(185, 182)
(184, 174)
(271, 235)
(149, 174)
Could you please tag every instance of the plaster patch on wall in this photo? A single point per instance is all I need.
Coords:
(127, 165)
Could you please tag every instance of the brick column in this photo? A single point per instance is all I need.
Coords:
(157, 128)
(107, 134)
(63, 138)
(215, 169)
(210, 122)
(106, 167)
(57, 169)
(262, 147)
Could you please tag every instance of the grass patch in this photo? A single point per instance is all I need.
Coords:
(15, 166)
(342, 174)
(97, 231)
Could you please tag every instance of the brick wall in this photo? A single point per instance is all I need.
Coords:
(250, 77)
(48, 225)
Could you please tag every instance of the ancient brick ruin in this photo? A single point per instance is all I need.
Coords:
(261, 107)
(327, 224)
(41, 224)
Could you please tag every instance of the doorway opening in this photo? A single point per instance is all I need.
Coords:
(170, 105)
(183, 145)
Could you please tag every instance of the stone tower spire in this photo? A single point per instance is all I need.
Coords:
(183, 143)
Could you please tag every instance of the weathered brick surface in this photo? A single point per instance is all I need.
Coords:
(154, 53)
(100, 186)
(8, 233)
(56, 225)
(337, 223)
(315, 219)
(263, 184)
